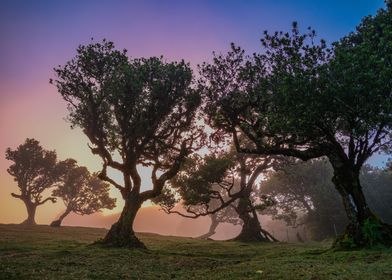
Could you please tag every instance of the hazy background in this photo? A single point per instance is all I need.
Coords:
(36, 36)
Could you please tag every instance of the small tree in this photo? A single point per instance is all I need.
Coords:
(35, 170)
(298, 98)
(176, 193)
(82, 193)
(222, 181)
(134, 112)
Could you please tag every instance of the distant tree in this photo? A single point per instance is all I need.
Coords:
(134, 112)
(220, 181)
(305, 196)
(35, 170)
(82, 193)
(298, 98)
(377, 186)
(170, 199)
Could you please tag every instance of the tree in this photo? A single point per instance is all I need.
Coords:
(35, 170)
(220, 181)
(305, 196)
(298, 98)
(176, 190)
(134, 112)
(82, 193)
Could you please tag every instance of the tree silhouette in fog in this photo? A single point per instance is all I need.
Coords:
(298, 98)
(305, 196)
(180, 193)
(217, 181)
(35, 170)
(82, 193)
(134, 112)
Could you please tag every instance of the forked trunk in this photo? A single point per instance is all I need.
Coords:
(251, 229)
(31, 208)
(211, 231)
(58, 222)
(364, 229)
(121, 233)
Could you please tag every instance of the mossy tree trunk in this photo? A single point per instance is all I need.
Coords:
(365, 229)
(251, 229)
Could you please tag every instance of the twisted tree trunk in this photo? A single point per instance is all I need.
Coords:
(251, 229)
(58, 222)
(31, 209)
(365, 229)
(121, 234)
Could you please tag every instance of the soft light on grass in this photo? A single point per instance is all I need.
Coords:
(43, 252)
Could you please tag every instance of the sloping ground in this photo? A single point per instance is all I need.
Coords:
(42, 252)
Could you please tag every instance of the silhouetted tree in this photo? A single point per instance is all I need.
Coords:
(304, 196)
(216, 182)
(134, 112)
(82, 193)
(298, 98)
(35, 170)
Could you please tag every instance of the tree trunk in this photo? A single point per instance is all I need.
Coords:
(121, 233)
(31, 208)
(364, 229)
(251, 230)
(58, 222)
(213, 226)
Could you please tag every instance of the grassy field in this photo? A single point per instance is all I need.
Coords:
(42, 252)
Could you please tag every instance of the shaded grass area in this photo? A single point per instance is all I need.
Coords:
(42, 252)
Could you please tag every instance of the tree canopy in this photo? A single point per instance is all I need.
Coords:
(82, 193)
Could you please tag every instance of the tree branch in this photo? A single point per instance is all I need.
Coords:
(53, 199)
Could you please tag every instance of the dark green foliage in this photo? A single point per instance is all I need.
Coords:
(198, 181)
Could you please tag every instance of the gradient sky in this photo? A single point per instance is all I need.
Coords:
(39, 35)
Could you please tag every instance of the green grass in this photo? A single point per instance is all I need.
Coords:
(42, 252)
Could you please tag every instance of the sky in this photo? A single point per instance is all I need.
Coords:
(37, 36)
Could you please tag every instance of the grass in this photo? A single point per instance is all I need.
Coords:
(43, 252)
